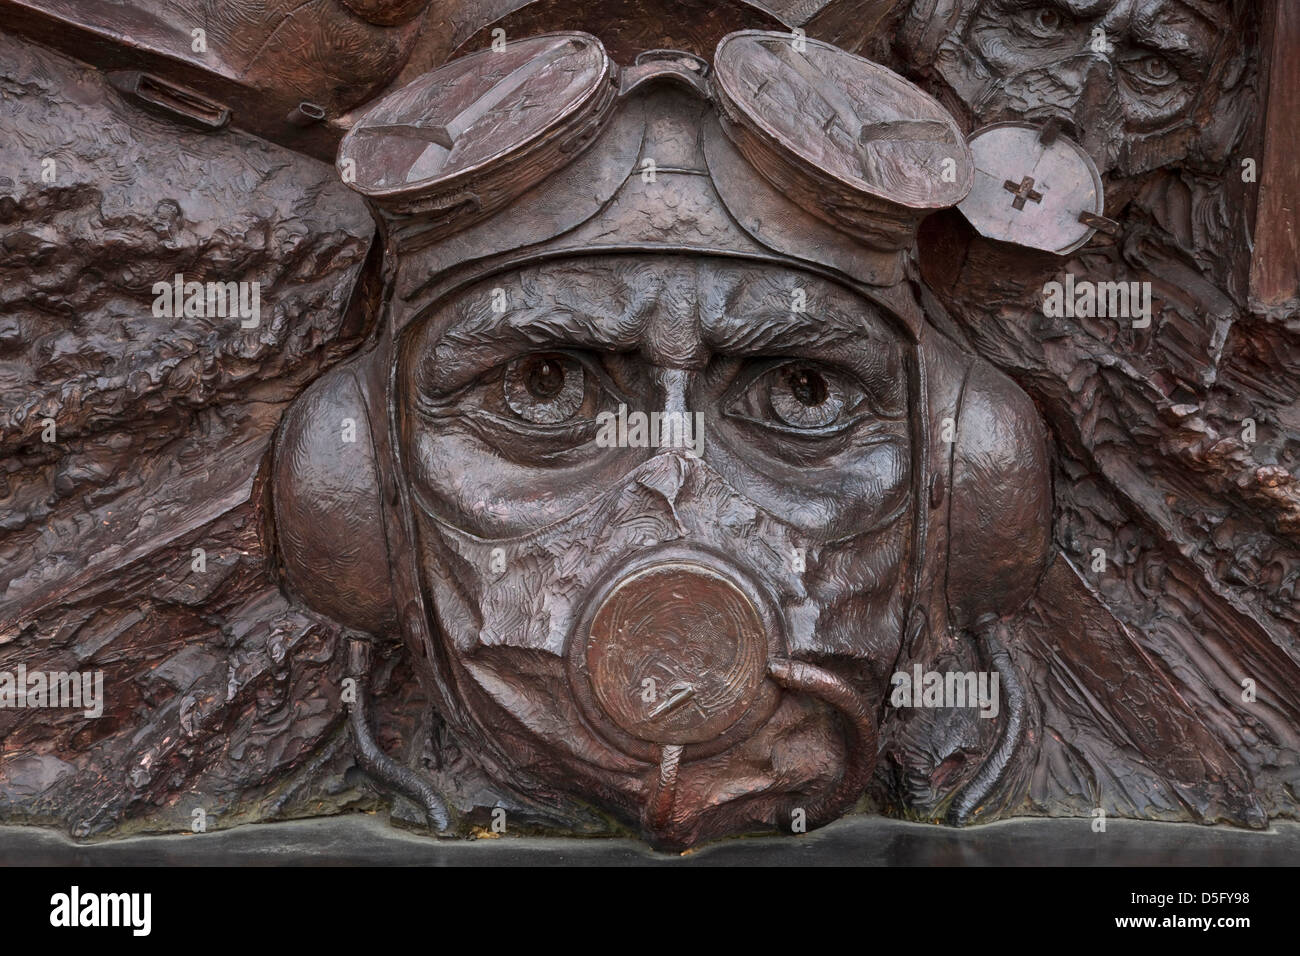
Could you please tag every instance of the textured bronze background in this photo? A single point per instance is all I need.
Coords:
(179, 511)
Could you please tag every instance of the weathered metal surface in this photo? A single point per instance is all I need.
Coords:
(851, 142)
(271, 68)
(1274, 269)
(471, 137)
(462, 578)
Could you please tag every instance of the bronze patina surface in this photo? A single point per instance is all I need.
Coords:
(668, 419)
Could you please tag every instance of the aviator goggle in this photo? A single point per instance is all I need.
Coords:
(848, 140)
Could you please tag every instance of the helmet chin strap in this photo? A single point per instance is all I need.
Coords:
(414, 622)
(377, 383)
(928, 601)
(409, 603)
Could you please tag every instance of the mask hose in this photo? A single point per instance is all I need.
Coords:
(860, 732)
(659, 808)
(860, 745)
(973, 797)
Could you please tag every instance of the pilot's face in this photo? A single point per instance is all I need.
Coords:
(1124, 75)
(602, 600)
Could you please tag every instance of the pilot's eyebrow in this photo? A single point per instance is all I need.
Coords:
(1192, 46)
(740, 322)
(476, 340)
(542, 325)
(748, 329)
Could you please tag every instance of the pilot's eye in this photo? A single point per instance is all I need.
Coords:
(1150, 73)
(546, 388)
(802, 397)
(798, 396)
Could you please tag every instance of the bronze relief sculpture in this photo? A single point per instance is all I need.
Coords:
(688, 447)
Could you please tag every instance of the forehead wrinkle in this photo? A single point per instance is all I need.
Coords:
(671, 332)
(1171, 30)
(611, 302)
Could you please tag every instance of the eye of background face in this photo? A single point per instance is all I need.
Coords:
(1027, 26)
(1156, 69)
(1153, 92)
(1149, 71)
(1044, 21)
(1014, 36)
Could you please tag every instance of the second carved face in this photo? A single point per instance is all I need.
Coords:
(1124, 77)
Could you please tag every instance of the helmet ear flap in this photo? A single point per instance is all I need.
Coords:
(327, 507)
(1000, 514)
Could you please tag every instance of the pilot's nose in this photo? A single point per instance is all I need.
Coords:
(1086, 80)
(1085, 105)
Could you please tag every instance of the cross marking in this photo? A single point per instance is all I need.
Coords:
(1022, 192)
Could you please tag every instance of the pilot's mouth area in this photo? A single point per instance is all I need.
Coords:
(678, 658)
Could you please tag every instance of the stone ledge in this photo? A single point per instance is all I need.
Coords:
(359, 839)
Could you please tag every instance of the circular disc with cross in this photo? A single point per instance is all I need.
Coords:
(1036, 193)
